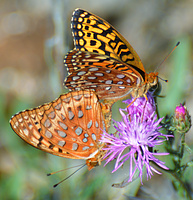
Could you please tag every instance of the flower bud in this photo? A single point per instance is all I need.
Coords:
(182, 119)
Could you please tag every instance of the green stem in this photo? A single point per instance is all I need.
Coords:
(175, 175)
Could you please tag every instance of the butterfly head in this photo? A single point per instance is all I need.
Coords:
(152, 79)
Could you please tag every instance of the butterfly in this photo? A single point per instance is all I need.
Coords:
(104, 61)
(70, 126)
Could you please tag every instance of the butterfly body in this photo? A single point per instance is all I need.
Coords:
(104, 61)
(71, 127)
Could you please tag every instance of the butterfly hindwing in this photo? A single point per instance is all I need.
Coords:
(101, 73)
(70, 126)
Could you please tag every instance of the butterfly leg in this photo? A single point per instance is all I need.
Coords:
(145, 97)
(132, 102)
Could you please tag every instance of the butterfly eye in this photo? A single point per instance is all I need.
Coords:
(156, 89)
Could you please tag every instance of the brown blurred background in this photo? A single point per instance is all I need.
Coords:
(34, 37)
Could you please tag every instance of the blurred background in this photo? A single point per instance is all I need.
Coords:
(34, 37)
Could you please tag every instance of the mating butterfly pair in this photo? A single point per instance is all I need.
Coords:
(103, 66)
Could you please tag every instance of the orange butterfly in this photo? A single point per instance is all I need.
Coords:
(70, 127)
(104, 61)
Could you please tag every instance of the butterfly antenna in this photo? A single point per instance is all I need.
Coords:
(167, 56)
(69, 176)
(49, 174)
(165, 80)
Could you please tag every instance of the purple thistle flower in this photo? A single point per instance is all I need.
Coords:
(136, 134)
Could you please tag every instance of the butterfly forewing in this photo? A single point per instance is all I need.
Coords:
(93, 34)
(100, 73)
(70, 126)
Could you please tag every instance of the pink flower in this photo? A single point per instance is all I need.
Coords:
(181, 119)
(136, 135)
